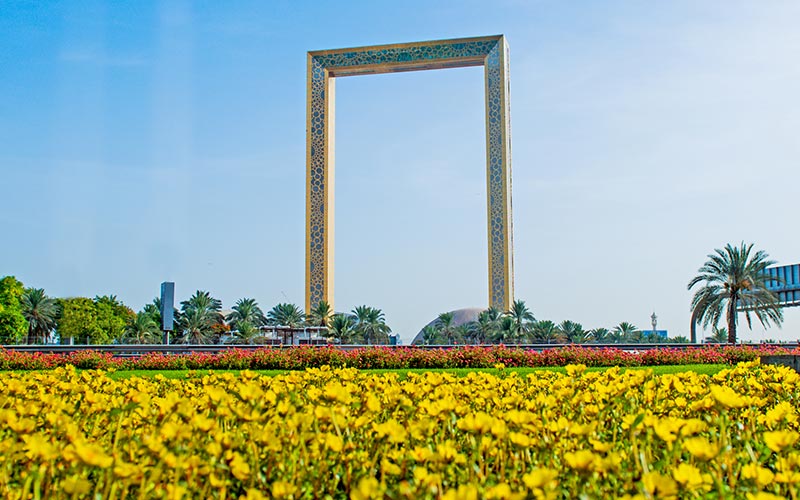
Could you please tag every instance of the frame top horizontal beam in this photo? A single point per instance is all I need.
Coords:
(416, 56)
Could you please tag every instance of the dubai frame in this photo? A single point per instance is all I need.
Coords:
(324, 66)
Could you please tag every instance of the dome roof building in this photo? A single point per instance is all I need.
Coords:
(460, 317)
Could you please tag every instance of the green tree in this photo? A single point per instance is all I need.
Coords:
(488, 325)
(735, 281)
(600, 335)
(13, 326)
(246, 311)
(464, 333)
(142, 329)
(371, 325)
(112, 317)
(626, 332)
(522, 319)
(200, 320)
(41, 313)
(506, 332)
(573, 332)
(341, 328)
(78, 320)
(196, 327)
(444, 324)
(320, 315)
(245, 333)
(429, 334)
(545, 331)
(289, 315)
(719, 336)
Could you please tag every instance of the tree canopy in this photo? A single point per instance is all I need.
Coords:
(734, 279)
(13, 326)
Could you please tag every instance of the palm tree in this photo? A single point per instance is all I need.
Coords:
(600, 335)
(463, 333)
(341, 327)
(200, 318)
(545, 331)
(371, 325)
(289, 315)
(444, 324)
(573, 332)
(320, 315)
(196, 327)
(154, 310)
(487, 325)
(246, 311)
(506, 333)
(733, 281)
(522, 317)
(204, 302)
(245, 332)
(41, 313)
(625, 332)
(720, 336)
(142, 329)
(429, 334)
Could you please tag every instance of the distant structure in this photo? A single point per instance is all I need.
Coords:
(167, 309)
(460, 317)
(325, 66)
(787, 285)
(655, 331)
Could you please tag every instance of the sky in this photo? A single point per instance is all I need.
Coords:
(144, 141)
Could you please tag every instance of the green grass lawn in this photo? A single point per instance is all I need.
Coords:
(402, 373)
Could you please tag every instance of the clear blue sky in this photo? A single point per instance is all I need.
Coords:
(150, 141)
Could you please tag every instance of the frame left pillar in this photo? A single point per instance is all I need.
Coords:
(320, 182)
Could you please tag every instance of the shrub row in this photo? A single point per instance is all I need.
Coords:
(300, 358)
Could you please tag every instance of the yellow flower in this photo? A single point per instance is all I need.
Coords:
(76, 486)
(90, 454)
(600, 446)
(787, 477)
(782, 411)
(392, 429)
(333, 442)
(519, 439)
(659, 486)
(476, 422)
(239, 467)
(688, 475)
(390, 468)
(253, 494)
(175, 491)
(580, 460)
(727, 397)
(38, 447)
(701, 448)
(540, 478)
(503, 491)
(283, 489)
(778, 440)
(464, 492)
(763, 495)
(760, 475)
(123, 470)
(367, 488)
(667, 429)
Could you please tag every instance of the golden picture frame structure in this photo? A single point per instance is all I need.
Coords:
(324, 66)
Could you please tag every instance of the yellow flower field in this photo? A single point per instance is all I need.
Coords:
(348, 434)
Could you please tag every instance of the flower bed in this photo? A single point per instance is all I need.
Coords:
(350, 434)
(300, 358)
